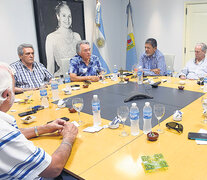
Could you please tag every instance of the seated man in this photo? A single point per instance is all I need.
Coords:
(152, 61)
(29, 74)
(84, 66)
(20, 159)
(196, 68)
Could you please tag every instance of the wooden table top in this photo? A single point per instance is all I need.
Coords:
(107, 155)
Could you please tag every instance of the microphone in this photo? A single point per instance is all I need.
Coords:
(155, 85)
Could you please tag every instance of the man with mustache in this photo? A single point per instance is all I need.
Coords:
(152, 61)
(29, 74)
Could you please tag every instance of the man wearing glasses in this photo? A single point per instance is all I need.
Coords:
(196, 68)
(29, 74)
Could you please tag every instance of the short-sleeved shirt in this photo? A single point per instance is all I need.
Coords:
(78, 66)
(195, 71)
(20, 159)
(156, 61)
(24, 78)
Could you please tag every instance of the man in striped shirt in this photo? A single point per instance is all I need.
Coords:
(29, 74)
(152, 61)
(20, 159)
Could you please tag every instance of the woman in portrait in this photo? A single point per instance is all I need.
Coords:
(60, 44)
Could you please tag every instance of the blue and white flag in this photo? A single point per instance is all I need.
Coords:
(99, 39)
(131, 55)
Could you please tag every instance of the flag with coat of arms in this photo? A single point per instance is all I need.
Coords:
(99, 39)
(131, 55)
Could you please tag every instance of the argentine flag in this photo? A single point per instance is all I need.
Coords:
(99, 39)
(131, 55)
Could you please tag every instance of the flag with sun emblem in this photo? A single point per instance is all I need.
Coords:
(99, 39)
(131, 55)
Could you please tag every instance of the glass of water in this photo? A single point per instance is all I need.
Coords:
(122, 113)
(204, 105)
(78, 106)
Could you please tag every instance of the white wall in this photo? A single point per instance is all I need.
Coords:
(17, 26)
(161, 19)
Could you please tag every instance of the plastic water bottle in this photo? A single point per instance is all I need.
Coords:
(134, 118)
(205, 85)
(115, 73)
(54, 88)
(147, 117)
(96, 111)
(67, 77)
(140, 75)
(43, 96)
(169, 74)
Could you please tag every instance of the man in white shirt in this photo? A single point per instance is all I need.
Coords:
(20, 159)
(196, 68)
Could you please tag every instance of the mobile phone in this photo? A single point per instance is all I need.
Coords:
(37, 108)
(75, 85)
(63, 118)
(197, 136)
(27, 113)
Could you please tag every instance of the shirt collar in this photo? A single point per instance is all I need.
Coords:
(199, 63)
(26, 66)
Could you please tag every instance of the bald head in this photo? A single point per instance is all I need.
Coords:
(6, 86)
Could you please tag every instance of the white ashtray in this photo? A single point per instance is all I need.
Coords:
(28, 119)
(177, 116)
(181, 82)
(114, 126)
(164, 80)
(61, 103)
(75, 88)
(67, 91)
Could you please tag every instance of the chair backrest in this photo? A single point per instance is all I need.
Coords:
(169, 60)
(65, 66)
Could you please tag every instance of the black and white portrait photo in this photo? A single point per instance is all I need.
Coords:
(59, 25)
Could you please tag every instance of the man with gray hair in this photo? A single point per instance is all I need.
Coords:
(20, 159)
(29, 74)
(84, 66)
(197, 67)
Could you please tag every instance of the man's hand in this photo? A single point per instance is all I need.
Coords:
(156, 71)
(69, 132)
(56, 125)
(182, 77)
(94, 78)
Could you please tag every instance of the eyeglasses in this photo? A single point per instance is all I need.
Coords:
(176, 126)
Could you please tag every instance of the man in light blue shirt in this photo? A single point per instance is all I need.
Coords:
(152, 61)
(197, 67)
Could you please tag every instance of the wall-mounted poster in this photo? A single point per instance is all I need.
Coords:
(59, 25)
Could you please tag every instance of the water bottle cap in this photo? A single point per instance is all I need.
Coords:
(147, 103)
(95, 96)
(134, 104)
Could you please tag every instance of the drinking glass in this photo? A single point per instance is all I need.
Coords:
(204, 105)
(102, 73)
(122, 113)
(78, 106)
(159, 111)
(28, 95)
(134, 70)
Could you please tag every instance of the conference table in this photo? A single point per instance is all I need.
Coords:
(106, 154)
